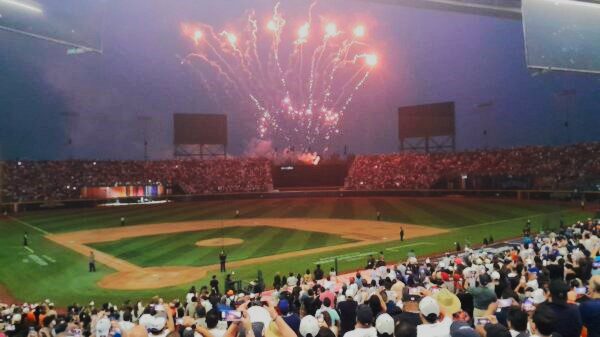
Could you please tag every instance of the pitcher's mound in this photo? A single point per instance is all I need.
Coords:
(219, 242)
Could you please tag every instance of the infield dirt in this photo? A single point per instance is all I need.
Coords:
(132, 277)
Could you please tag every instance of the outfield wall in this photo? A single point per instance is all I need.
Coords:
(592, 199)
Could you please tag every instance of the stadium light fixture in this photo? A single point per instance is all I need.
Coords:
(21, 5)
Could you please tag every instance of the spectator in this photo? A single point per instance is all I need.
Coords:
(483, 296)
(544, 322)
(590, 310)
(347, 309)
(364, 323)
(433, 324)
(568, 319)
(384, 324)
(405, 329)
(517, 323)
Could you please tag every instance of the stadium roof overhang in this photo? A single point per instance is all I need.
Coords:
(509, 9)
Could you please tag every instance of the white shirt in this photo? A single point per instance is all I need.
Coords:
(362, 332)
(125, 326)
(217, 332)
(188, 297)
(438, 329)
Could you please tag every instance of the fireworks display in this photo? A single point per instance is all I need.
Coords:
(299, 78)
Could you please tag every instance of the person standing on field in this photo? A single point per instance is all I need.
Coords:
(401, 233)
(222, 259)
(92, 262)
(25, 239)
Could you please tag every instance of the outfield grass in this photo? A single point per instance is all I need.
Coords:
(66, 280)
(180, 249)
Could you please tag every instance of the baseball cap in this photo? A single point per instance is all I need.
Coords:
(429, 306)
(309, 326)
(145, 320)
(157, 324)
(385, 324)
(259, 314)
(102, 327)
(447, 300)
(364, 314)
(284, 306)
(462, 329)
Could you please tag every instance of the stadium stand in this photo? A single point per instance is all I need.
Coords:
(565, 167)
(539, 167)
(541, 285)
(60, 180)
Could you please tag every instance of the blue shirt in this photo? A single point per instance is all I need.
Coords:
(590, 315)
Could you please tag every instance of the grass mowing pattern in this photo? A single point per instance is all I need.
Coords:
(67, 279)
(180, 249)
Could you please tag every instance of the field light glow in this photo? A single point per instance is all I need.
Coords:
(197, 35)
(303, 32)
(359, 31)
(331, 30)
(232, 39)
(371, 60)
(22, 5)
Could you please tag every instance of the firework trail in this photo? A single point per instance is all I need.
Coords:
(295, 104)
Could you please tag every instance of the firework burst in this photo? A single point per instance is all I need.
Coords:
(299, 97)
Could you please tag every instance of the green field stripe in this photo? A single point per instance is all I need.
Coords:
(312, 238)
(501, 209)
(468, 211)
(342, 209)
(262, 247)
(299, 210)
(362, 208)
(389, 212)
(521, 219)
(449, 217)
(28, 225)
(418, 212)
(320, 207)
(97, 215)
(261, 208)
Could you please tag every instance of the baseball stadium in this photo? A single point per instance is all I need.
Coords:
(249, 168)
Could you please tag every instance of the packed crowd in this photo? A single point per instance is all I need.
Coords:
(546, 285)
(41, 180)
(546, 167)
(543, 167)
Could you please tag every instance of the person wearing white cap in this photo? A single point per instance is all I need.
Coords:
(430, 315)
(385, 325)
(309, 326)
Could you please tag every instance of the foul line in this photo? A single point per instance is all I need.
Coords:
(29, 249)
(506, 220)
(29, 225)
(396, 248)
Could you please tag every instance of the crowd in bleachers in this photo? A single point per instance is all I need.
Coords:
(545, 285)
(41, 180)
(546, 167)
